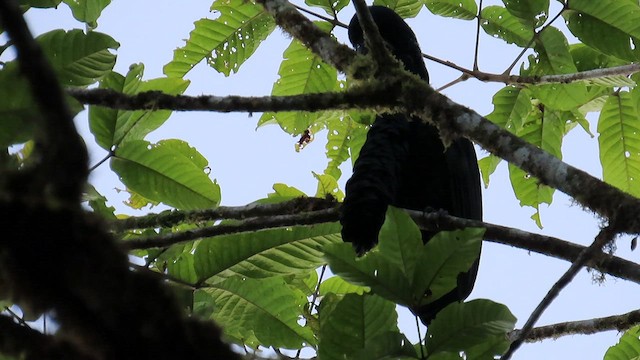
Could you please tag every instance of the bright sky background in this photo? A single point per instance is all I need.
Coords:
(246, 162)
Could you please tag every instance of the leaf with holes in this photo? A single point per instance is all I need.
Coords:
(226, 42)
(498, 22)
(459, 9)
(301, 72)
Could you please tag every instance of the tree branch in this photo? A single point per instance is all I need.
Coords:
(605, 236)
(583, 327)
(315, 211)
(24, 342)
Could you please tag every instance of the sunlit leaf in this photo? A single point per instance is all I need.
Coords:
(169, 171)
(301, 72)
(619, 139)
(498, 22)
(226, 42)
(459, 9)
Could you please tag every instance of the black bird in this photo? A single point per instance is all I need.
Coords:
(404, 163)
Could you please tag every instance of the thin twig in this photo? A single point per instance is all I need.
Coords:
(606, 235)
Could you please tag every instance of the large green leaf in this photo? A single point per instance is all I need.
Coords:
(350, 325)
(441, 261)
(301, 72)
(79, 59)
(266, 309)
(170, 171)
(628, 348)
(465, 326)
(111, 127)
(264, 253)
(404, 8)
(459, 9)
(545, 129)
(497, 21)
(87, 11)
(619, 139)
(611, 26)
(401, 268)
(226, 42)
(532, 11)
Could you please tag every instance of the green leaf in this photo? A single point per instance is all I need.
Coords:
(301, 72)
(79, 59)
(328, 185)
(511, 105)
(401, 268)
(353, 323)
(339, 136)
(628, 348)
(40, 3)
(226, 42)
(87, 11)
(372, 270)
(178, 261)
(619, 140)
(264, 253)
(404, 8)
(266, 309)
(535, 12)
(463, 326)
(337, 285)
(459, 9)
(488, 166)
(285, 192)
(18, 112)
(443, 258)
(587, 58)
(331, 7)
(400, 240)
(610, 26)
(170, 171)
(544, 129)
(498, 22)
(554, 58)
(111, 127)
(98, 203)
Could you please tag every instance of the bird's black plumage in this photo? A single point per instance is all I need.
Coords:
(404, 163)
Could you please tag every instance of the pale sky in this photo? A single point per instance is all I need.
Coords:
(246, 162)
